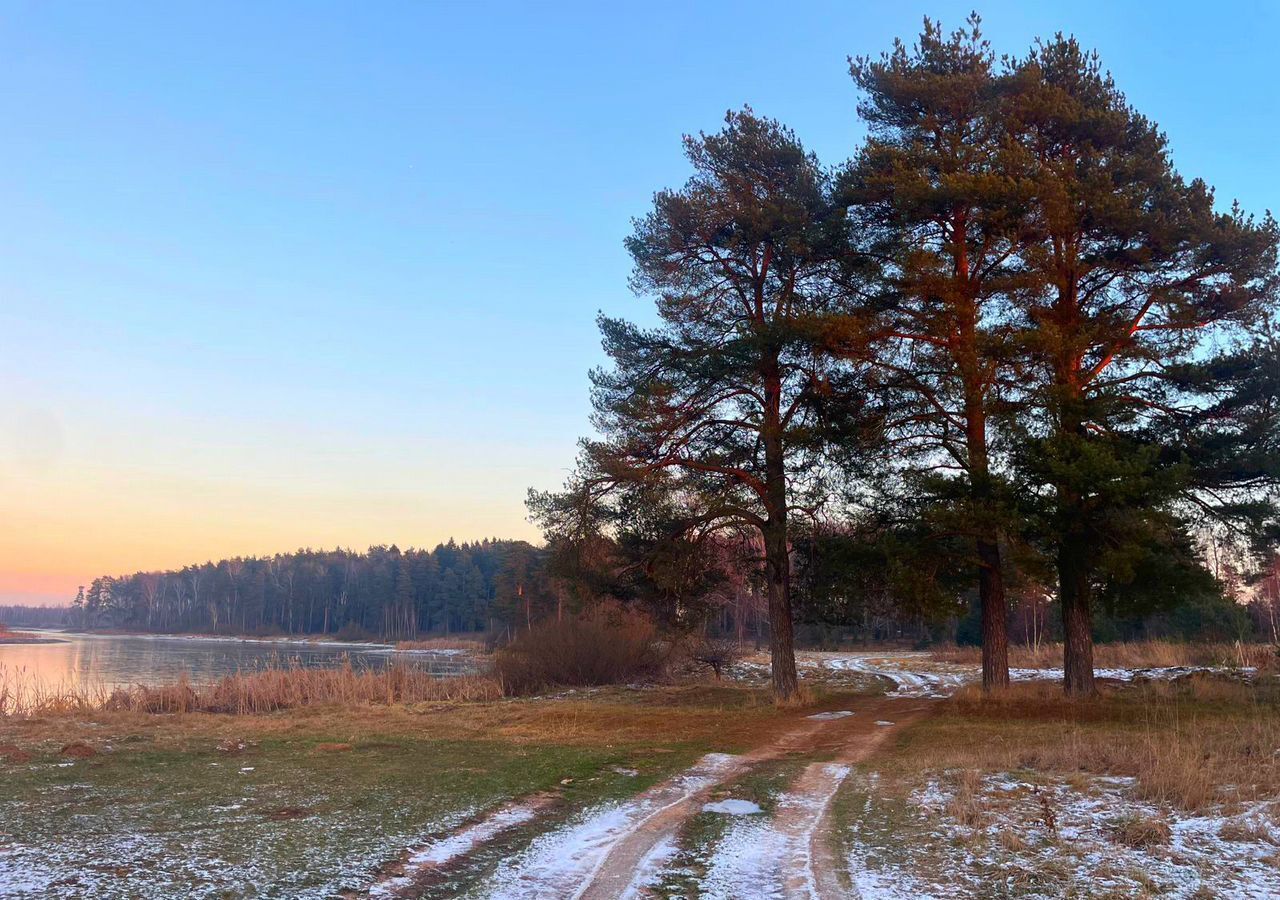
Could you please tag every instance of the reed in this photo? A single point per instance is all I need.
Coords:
(249, 693)
(471, 645)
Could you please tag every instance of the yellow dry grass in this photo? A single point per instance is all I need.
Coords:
(731, 718)
(471, 645)
(1194, 744)
(1130, 655)
(250, 693)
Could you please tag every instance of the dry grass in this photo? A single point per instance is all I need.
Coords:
(248, 694)
(1130, 655)
(471, 645)
(803, 698)
(1141, 831)
(965, 806)
(1248, 832)
(732, 719)
(1195, 744)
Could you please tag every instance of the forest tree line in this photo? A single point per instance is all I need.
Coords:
(843, 595)
(384, 592)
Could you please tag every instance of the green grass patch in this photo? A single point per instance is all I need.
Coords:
(281, 817)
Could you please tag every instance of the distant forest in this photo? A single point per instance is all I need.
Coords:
(17, 616)
(845, 592)
(383, 592)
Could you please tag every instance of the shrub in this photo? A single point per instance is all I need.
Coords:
(716, 654)
(607, 644)
(353, 631)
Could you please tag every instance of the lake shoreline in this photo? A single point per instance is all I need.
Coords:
(295, 640)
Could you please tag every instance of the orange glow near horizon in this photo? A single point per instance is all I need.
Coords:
(75, 518)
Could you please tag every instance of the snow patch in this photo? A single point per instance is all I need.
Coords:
(454, 846)
(733, 808)
(561, 863)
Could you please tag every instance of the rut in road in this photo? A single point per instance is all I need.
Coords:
(812, 869)
(792, 855)
(612, 854)
(617, 849)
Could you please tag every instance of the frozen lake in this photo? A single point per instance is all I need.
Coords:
(112, 660)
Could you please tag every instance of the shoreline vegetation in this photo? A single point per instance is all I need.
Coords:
(592, 657)
(322, 783)
(26, 637)
(260, 692)
(464, 643)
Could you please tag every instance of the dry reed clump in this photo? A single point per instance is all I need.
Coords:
(965, 806)
(1249, 832)
(1141, 831)
(607, 644)
(1130, 655)
(470, 645)
(1194, 744)
(252, 693)
(801, 699)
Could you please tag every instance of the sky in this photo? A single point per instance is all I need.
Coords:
(276, 275)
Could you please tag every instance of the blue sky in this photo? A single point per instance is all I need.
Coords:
(304, 274)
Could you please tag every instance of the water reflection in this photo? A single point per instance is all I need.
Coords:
(95, 660)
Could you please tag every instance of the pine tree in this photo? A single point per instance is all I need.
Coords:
(937, 193)
(1136, 270)
(722, 403)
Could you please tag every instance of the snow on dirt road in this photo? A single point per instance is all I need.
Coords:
(916, 674)
(622, 849)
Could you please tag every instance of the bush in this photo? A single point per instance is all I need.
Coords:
(354, 632)
(717, 654)
(607, 644)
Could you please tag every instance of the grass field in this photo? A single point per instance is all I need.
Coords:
(311, 801)
(1153, 789)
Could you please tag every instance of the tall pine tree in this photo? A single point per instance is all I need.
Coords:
(938, 193)
(726, 403)
(1136, 270)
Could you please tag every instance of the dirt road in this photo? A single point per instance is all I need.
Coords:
(616, 851)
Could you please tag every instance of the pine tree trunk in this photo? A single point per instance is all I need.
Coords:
(995, 637)
(1074, 592)
(1077, 619)
(782, 653)
(782, 650)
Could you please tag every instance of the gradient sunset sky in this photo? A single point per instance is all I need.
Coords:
(302, 274)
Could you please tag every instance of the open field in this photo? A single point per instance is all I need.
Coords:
(695, 790)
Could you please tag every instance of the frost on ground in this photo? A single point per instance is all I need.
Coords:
(958, 835)
(732, 807)
(917, 674)
(762, 856)
(294, 822)
(120, 862)
(445, 850)
(561, 863)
